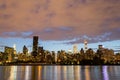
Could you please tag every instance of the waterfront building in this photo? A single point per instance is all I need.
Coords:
(10, 53)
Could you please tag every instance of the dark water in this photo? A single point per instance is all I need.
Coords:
(59, 72)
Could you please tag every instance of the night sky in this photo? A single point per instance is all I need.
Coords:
(60, 23)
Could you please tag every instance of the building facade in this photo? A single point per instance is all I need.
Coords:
(25, 50)
(75, 48)
(10, 53)
(35, 46)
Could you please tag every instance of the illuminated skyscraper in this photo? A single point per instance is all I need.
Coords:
(69, 51)
(9, 51)
(85, 45)
(14, 46)
(75, 48)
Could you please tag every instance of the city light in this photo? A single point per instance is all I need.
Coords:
(40, 56)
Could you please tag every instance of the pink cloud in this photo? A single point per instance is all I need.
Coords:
(60, 20)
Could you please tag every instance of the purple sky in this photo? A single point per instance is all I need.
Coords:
(59, 22)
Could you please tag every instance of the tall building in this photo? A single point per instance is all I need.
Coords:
(75, 48)
(85, 45)
(100, 46)
(25, 50)
(82, 51)
(40, 50)
(9, 51)
(14, 46)
(35, 46)
(70, 51)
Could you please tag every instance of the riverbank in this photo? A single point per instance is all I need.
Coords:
(45, 64)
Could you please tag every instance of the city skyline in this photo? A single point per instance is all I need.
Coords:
(60, 24)
(57, 46)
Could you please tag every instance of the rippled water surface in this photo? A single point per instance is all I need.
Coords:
(59, 72)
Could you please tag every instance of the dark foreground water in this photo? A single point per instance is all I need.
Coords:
(59, 72)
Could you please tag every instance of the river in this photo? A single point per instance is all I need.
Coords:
(58, 72)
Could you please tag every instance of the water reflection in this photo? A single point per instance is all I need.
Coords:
(77, 71)
(87, 72)
(105, 73)
(59, 72)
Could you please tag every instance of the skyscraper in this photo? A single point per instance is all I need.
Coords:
(35, 45)
(25, 49)
(14, 46)
(100, 46)
(9, 51)
(75, 48)
(85, 45)
(40, 50)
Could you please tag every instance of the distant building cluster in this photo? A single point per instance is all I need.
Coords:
(39, 55)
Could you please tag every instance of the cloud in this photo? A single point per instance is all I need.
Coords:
(17, 34)
(2, 6)
(96, 20)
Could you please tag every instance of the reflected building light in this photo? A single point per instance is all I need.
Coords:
(59, 72)
(71, 71)
(21, 72)
(51, 75)
(13, 73)
(87, 73)
(65, 72)
(44, 72)
(55, 73)
(97, 71)
(65, 68)
(77, 75)
(116, 70)
(39, 72)
(105, 73)
(27, 73)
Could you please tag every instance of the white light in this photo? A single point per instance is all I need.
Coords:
(103, 46)
(14, 46)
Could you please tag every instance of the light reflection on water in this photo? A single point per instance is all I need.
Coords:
(59, 72)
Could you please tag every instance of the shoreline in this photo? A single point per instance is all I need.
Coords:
(44, 64)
